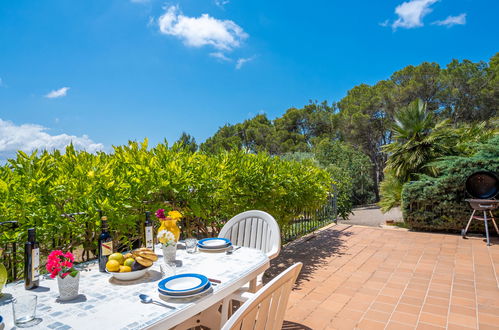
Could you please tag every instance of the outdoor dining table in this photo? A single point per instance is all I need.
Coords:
(105, 303)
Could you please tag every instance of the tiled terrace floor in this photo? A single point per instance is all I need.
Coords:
(370, 278)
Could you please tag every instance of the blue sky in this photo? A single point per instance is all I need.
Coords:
(100, 73)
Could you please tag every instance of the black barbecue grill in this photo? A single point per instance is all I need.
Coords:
(483, 187)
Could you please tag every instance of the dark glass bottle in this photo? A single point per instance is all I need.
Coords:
(105, 244)
(31, 261)
(148, 230)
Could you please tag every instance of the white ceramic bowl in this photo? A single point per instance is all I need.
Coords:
(129, 276)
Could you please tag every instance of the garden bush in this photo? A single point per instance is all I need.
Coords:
(438, 203)
(37, 189)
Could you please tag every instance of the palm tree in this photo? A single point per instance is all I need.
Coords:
(418, 140)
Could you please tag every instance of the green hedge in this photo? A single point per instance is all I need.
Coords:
(208, 189)
(438, 204)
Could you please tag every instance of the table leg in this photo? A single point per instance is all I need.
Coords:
(253, 285)
(224, 315)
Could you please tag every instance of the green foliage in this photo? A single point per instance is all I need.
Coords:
(438, 203)
(391, 191)
(209, 189)
(187, 141)
(418, 140)
(341, 176)
(354, 166)
(462, 92)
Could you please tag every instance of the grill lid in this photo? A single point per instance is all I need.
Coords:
(482, 185)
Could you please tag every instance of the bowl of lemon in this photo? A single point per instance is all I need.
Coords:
(132, 265)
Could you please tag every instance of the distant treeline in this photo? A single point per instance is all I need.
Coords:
(462, 92)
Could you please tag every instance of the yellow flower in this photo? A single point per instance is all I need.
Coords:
(166, 237)
(175, 215)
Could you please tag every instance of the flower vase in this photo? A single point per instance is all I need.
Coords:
(169, 253)
(68, 286)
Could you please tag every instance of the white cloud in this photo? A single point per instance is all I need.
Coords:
(411, 13)
(28, 137)
(221, 56)
(57, 93)
(241, 61)
(452, 20)
(221, 3)
(201, 31)
(385, 23)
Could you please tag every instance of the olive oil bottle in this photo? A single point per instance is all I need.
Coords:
(105, 244)
(31, 261)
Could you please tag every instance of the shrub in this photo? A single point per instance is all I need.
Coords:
(439, 203)
(208, 189)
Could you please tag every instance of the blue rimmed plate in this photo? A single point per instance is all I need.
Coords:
(214, 243)
(207, 288)
(183, 284)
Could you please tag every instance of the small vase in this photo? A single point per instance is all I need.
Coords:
(169, 253)
(68, 286)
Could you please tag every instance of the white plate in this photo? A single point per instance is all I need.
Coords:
(129, 276)
(213, 243)
(183, 284)
(214, 250)
(207, 290)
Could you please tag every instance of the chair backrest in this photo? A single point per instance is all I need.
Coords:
(255, 229)
(266, 309)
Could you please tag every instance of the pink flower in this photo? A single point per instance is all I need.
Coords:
(160, 214)
(67, 264)
(58, 262)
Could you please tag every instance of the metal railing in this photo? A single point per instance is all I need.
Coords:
(10, 250)
(310, 221)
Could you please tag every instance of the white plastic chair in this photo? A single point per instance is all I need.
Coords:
(266, 308)
(255, 229)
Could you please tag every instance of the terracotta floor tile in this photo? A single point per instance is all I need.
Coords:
(375, 315)
(387, 299)
(437, 301)
(426, 326)
(463, 310)
(398, 326)
(394, 279)
(434, 319)
(491, 319)
(405, 308)
(463, 320)
(436, 309)
(483, 326)
(368, 325)
(387, 308)
(405, 318)
(452, 326)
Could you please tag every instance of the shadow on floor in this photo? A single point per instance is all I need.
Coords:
(288, 325)
(312, 252)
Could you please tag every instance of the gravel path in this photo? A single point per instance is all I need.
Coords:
(372, 216)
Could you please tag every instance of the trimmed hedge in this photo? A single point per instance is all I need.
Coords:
(438, 204)
(208, 189)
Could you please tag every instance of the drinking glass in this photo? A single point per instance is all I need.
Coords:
(190, 245)
(169, 269)
(24, 308)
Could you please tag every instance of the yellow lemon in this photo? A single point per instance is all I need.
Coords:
(118, 257)
(125, 269)
(113, 266)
